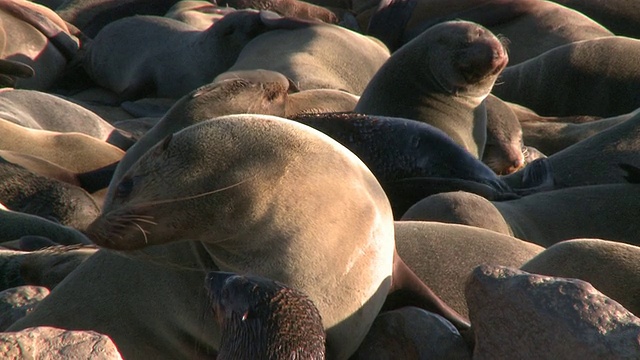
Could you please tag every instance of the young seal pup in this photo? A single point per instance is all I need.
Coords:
(264, 319)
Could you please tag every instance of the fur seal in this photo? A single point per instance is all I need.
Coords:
(39, 110)
(610, 266)
(199, 14)
(24, 191)
(288, 8)
(531, 26)
(45, 267)
(14, 225)
(597, 159)
(73, 151)
(318, 56)
(90, 16)
(319, 101)
(587, 69)
(458, 208)
(429, 247)
(551, 137)
(233, 92)
(504, 149)
(446, 73)
(91, 181)
(414, 153)
(620, 16)
(546, 218)
(150, 55)
(264, 319)
(252, 163)
(37, 37)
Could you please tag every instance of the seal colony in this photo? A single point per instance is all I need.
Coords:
(305, 207)
(264, 176)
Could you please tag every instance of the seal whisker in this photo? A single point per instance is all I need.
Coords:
(192, 197)
(144, 233)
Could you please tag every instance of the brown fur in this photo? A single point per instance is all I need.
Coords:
(611, 267)
(462, 61)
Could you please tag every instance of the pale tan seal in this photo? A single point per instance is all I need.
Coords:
(40, 110)
(232, 92)
(243, 195)
(442, 78)
(36, 36)
(531, 26)
(444, 254)
(73, 151)
(571, 79)
(546, 218)
(155, 56)
(551, 137)
(199, 14)
(319, 56)
(609, 266)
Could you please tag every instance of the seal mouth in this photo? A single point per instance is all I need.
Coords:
(120, 231)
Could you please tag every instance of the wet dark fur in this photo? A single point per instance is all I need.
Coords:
(264, 319)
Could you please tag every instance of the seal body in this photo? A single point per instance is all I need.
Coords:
(247, 175)
(319, 56)
(503, 152)
(176, 58)
(35, 36)
(411, 159)
(587, 69)
(232, 92)
(441, 77)
(264, 319)
(73, 151)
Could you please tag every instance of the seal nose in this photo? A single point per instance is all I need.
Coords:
(516, 165)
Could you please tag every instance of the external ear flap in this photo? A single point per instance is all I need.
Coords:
(293, 88)
(164, 145)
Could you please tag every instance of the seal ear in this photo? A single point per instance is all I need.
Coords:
(165, 144)
(293, 88)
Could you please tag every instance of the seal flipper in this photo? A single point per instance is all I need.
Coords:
(97, 179)
(388, 23)
(404, 193)
(537, 176)
(408, 290)
(633, 173)
(11, 68)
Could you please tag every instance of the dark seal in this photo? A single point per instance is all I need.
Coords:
(264, 319)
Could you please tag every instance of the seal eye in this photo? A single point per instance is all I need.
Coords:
(124, 188)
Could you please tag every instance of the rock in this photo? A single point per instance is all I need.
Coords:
(47, 343)
(412, 333)
(520, 315)
(17, 302)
